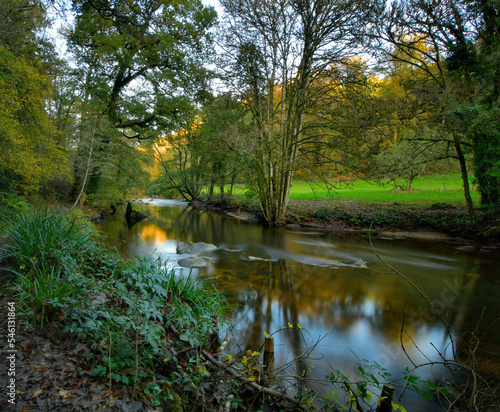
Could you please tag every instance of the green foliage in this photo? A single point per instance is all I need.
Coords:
(11, 205)
(44, 238)
(43, 292)
(365, 389)
(122, 309)
(130, 311)
(29, 156)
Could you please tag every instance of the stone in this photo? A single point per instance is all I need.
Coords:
(195, 262)
(466, 248)
(194, 248)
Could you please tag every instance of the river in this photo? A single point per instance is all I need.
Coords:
(334, 291)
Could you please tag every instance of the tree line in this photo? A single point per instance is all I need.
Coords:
(265, 93)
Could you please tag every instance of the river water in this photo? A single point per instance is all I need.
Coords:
(333, 289)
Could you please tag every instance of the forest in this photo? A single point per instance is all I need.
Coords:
(105, 101)
(168, 98)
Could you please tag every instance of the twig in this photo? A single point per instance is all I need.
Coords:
(136, 360)
(270, 392)
(419, 292)
(109, 366)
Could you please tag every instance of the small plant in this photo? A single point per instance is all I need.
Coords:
(10, 206)
(43, 292)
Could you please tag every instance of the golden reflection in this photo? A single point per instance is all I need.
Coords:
(154, 234)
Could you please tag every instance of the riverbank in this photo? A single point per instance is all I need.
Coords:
(438, 222)
(89, 331)
(118, 351)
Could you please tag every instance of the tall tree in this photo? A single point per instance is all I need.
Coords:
(143, 65)
(277, 49)
(145, 60)
(30, 152)
(446, 42)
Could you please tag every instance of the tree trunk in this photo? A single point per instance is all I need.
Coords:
(86, 170)
(465, 178)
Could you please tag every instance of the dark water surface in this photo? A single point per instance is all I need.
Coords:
(275, 277)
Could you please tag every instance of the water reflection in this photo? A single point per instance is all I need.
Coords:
(276, 277)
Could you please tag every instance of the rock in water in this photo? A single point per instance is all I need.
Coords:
(133, 216)
(182, 248)
(194, 262)
(195, 248)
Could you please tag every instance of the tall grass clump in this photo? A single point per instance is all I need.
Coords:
(43, 292)
(44, 238)
(10, 206)
(44, 250)
(194, 307)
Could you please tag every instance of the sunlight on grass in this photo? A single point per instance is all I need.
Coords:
(426, 190)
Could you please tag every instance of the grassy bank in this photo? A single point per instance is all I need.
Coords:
(118, 316)
(435, 203)
(426, 190)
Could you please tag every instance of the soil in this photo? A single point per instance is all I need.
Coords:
(439, 222)
(51, 372)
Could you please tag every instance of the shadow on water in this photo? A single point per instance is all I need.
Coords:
(275, 277)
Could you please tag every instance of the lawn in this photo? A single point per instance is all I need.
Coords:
(427, 190)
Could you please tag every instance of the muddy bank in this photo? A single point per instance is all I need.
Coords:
(439, 222)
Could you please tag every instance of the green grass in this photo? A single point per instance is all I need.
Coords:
(427, 190)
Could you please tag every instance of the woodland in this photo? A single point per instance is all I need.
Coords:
(102, 101)
(169, 98)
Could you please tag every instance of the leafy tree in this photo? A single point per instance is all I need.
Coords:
(277, 49)
(183, 162)
(222, 126)
(445, 43)
(343, 125)
(30, 153)
(143, 60)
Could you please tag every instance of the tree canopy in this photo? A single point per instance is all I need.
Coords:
(320, 88)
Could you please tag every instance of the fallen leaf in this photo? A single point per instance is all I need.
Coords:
(38, 392)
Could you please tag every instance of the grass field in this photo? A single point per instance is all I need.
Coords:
(426, 191)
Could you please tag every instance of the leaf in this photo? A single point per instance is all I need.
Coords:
(374, 379)
(38, 392)
(64, 394)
